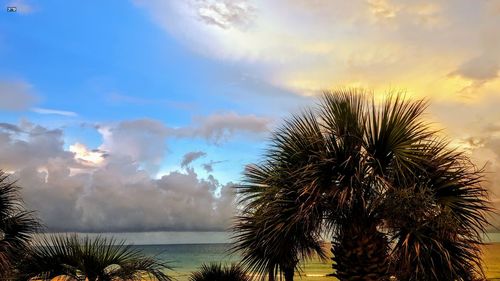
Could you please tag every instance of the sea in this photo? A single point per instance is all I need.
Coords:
(187, 251)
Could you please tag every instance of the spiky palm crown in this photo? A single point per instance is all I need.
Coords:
(353, 157)
(216, 271)
(16, 224)
(99, 258)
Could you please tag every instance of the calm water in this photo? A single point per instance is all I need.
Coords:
(186, 251)
(186, 258)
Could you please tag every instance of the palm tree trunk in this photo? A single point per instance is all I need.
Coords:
(361, 253)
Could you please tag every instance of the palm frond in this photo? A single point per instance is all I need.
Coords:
(93, 258)
(215, 271)
(394, 135)
(17, 225)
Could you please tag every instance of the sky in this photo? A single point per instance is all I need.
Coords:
(130, 116)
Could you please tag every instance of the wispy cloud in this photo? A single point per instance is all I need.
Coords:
(225, 14)
(217, 128)
(16, 95)
(209, 166)
(308, 46)
(191, 156)
(54, 111)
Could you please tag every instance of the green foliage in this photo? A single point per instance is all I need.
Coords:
(217, 272)
(95, 259)
(16, 225)
(353, 167)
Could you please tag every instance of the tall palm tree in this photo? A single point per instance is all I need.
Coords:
(100, 259)
(16, 225)
(395, 198)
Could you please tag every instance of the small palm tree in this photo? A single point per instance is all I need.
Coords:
(89, 259)
(217, 272)
(16, 225)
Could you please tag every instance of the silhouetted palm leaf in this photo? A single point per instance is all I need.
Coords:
(95, 259)
(217, 272)
(16, 225)
(268, 240)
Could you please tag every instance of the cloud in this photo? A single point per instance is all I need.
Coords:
(16, 95)
(11, 127)
(113, 187)
(189, 157)
(30, 145)
(86, 156)
(224, 14)
(54, 111)
(376, 44)
(209, 166)
(84, 189)
(382, 9)
(142, 141)
(20, 96)
(479, 68)
(220, 127)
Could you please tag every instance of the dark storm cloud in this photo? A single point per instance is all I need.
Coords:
(114, 187)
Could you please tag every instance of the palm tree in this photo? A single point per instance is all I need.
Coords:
(89, 259)
(218, 272)
(16, 225)
(396, 199)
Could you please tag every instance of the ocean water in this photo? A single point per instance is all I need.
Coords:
(187, 251)
(186, 258)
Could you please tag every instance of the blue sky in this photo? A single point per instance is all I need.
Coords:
(108, 62)
(101, 101)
